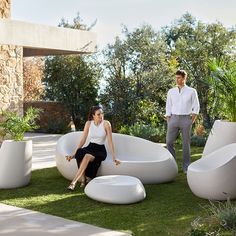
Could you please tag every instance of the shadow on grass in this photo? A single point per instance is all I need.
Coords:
(167, 210)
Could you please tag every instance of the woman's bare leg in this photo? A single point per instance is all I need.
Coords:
(83, 165)
(83, 180)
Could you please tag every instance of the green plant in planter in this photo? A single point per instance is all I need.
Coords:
(15, 125)
(223, 82)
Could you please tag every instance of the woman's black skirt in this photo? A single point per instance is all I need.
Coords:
(96, 150)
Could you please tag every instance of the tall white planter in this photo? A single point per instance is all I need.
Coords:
(222, 133)
(15, 163)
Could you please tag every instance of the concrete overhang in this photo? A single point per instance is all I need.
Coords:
(43, 40)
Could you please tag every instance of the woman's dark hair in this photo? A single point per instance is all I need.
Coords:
(183, 73)
(92, 111)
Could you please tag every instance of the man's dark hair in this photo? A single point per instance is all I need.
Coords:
(183, 73)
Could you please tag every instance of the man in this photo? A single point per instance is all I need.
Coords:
(182, 107)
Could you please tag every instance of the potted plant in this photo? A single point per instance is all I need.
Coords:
(223, 82)
(16, 153)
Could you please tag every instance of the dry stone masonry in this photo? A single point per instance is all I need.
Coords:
(5, 11)
(11, 70)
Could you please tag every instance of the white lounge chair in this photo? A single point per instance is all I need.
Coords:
(213, 176)
(148, 161)
(222, 134)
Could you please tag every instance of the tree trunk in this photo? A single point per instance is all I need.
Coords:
(206, 117)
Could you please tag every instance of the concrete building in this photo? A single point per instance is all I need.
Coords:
(22, 39)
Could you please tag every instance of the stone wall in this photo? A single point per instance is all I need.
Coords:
(11, 78)
(11, 70)
(5, 8)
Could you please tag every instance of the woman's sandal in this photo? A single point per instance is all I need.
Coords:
(71, 187)
(83, 184)
(88, 179)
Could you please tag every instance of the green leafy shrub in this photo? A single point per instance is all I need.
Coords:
(220, 221)
(203, 227)
(197, 228)
(225, 213)
(223, 83)
(198, 141)
(56, 127)
(149, 132)
(15, 126)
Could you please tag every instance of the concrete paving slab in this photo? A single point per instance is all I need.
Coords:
(16, 221)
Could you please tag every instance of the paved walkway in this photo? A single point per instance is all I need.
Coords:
(16, 221)
(44, 147)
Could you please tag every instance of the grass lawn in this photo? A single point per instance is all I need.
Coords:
(167, 210)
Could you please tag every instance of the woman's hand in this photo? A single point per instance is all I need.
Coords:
(117, 162)
(69, 157)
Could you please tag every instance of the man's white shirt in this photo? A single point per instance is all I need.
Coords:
(182, 102)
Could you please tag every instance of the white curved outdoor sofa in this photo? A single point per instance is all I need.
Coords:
(148, 161)
(213, 176)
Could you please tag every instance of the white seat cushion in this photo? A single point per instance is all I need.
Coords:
(116, 189)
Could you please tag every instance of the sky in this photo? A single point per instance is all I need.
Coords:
(112, 14)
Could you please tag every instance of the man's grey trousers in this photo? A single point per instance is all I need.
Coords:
(176, 123)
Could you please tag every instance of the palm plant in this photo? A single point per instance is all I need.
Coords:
(223, 82)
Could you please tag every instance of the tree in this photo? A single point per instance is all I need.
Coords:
(138, 76)
(73, 80)
(223, 84)
(33, 74)
(194, 44)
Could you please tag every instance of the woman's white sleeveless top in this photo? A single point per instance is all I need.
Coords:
(97, 134)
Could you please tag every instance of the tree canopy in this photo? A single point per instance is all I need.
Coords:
(140, 67)
(73, 80)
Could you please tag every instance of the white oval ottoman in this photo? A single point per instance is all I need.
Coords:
(116, 189)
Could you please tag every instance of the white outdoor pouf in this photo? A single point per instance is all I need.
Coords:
(116, 189)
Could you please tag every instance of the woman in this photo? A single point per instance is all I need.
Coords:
(89, 158)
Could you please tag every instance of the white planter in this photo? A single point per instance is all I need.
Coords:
(15, 163)
(222, 133)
